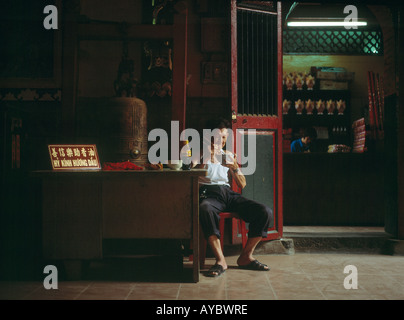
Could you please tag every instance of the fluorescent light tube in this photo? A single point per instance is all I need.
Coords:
(325, 24)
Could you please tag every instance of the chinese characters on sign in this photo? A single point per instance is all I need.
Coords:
(74, 157)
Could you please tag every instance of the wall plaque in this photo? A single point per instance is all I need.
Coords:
(74, 157)
(214, 72)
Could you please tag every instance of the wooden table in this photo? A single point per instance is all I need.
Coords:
(82, 208)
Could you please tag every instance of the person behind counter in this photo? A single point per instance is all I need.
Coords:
(303, 144)
(216, 196)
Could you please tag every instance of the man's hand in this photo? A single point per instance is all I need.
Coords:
(230, 161)
(234, 170)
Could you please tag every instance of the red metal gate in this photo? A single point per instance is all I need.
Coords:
(256, 99)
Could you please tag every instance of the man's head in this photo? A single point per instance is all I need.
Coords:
(309, 135)
(220, 137)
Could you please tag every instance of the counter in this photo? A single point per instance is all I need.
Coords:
(333, 189)
(82, 208)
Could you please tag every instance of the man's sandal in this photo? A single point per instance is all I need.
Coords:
(255, 265)
(215, 271)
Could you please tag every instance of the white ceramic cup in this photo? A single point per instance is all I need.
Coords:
(175, 164)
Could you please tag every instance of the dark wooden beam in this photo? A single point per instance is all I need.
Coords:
(179, 97)
(400, 135)
(69, 67)
(102, 31)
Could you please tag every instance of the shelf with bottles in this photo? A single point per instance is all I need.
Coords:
(327, 109)
(339, 135)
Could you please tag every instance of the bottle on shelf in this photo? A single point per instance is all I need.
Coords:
(186, 156)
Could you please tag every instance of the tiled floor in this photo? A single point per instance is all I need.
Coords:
(299, 276)
(302, 276)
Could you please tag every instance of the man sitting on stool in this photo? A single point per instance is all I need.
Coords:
(216, 196)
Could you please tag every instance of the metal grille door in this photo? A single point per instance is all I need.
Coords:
(256, 97)
(257, 62)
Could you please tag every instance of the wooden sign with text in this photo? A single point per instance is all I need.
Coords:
(74, 157)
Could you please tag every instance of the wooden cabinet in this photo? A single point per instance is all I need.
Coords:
(81, 209)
